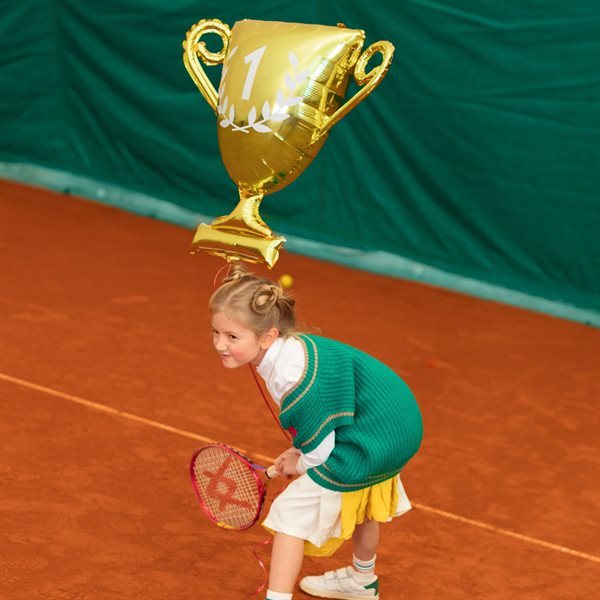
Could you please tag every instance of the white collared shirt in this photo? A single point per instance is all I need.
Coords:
(282, 368)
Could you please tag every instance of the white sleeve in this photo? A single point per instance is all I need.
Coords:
(318, 456)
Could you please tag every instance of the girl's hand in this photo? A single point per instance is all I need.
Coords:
(286, 462)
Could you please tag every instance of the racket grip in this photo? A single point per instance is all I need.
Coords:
(272, 472)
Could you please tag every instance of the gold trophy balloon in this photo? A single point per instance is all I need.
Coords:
(282, 89)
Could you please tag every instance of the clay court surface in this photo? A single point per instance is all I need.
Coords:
(108, 384)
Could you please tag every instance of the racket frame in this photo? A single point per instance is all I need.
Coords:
(252, 467)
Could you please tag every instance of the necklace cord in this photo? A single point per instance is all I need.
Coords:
(287, 434)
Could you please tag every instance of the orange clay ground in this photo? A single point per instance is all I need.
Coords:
(108, 384)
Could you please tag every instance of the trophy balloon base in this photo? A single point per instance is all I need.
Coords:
(234, 246)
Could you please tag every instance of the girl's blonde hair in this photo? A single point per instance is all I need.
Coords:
(258, 303)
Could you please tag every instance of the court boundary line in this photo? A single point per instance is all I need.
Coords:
(189, 434)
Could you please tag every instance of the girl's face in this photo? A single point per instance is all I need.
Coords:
(237, 345)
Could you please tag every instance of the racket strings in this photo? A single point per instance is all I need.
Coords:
(228, 487)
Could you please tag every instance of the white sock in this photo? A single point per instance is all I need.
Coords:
(278, 596)
(363, 571)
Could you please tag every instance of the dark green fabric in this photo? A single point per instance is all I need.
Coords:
(377, 422)
(478, 155)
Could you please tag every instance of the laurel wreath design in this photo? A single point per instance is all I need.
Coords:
(277, 112)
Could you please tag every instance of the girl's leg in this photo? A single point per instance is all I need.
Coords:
(366, 540)
(357, 581)
(286, 560)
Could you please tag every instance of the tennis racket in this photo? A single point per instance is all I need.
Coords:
(228, 486)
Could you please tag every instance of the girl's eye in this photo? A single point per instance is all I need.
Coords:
(232, 337)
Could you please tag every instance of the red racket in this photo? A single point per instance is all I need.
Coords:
(228, 486)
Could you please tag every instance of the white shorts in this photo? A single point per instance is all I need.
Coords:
(313, 513)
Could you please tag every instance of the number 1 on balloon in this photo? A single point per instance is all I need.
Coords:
(254, 59)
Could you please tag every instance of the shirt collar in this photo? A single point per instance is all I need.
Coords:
(268, 362)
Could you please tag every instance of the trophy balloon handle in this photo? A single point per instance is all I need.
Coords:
(369, 80)
(192, 48)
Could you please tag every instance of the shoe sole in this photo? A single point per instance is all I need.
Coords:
(334, 595)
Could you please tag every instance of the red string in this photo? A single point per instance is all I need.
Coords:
(288, 437)
(286, 433)
(261, 563)
(226, 266)
(265, 543)
(268, 541)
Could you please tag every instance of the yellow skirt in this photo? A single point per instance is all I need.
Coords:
(375, 503)
(325, 518)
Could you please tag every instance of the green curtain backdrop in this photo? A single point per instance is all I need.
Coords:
(479, 155)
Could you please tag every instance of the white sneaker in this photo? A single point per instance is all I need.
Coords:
(339, 584)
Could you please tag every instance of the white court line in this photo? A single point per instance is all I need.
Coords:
(267, 459)
(506, 532)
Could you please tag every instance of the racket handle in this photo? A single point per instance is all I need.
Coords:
(272, 472)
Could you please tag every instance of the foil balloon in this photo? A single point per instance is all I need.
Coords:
(282, 89)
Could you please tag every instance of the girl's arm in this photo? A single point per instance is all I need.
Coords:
(318, 456)
(293, 462)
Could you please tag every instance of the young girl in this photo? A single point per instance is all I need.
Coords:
(355, 425)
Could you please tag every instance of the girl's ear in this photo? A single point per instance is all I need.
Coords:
(267, 338)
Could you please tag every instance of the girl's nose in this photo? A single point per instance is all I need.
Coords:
(219, 343)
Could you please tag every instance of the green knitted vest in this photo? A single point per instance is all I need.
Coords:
(377, 422)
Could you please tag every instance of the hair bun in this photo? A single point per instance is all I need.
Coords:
(265, 297)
